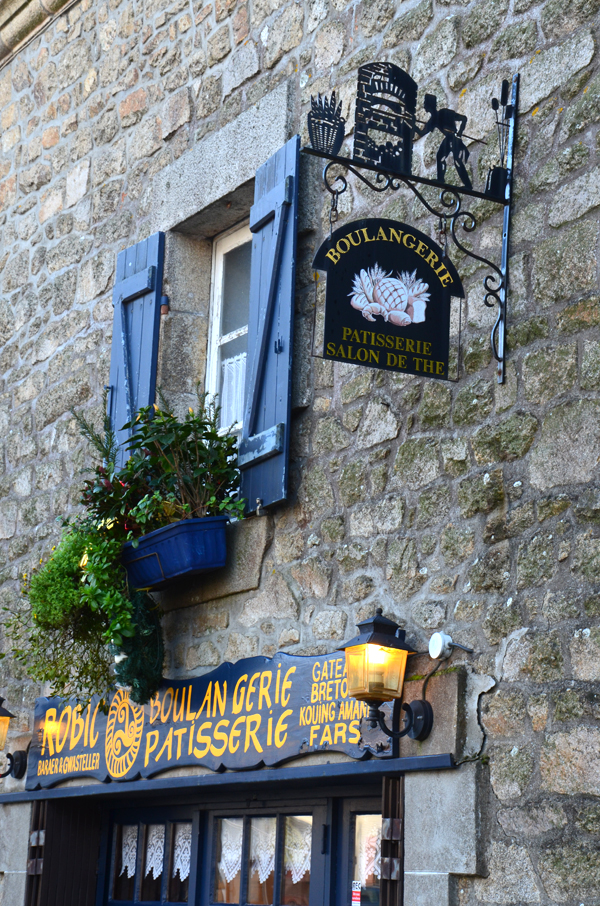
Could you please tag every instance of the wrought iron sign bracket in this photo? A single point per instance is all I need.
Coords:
(386, 108)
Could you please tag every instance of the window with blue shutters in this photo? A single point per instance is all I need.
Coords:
(136, 326)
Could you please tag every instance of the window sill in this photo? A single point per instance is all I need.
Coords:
(247, 542)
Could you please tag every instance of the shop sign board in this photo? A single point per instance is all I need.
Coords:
(388, 298)
(259, 711)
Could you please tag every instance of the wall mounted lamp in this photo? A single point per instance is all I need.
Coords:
(17, 761)
(375, 666)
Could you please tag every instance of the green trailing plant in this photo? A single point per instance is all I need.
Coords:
(80, 611)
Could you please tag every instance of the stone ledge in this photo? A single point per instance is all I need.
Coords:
(19, 19)
(247, 542)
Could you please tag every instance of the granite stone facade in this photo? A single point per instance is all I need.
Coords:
(470, 507)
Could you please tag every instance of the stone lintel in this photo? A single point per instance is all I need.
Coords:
(222, 161)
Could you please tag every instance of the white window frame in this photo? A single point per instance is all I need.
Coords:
(226, 242)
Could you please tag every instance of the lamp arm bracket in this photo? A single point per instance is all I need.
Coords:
(417, 723)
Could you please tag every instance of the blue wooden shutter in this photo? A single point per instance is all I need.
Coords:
(136, 325)
(265, 441)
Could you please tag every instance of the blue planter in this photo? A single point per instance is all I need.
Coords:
(184, 548)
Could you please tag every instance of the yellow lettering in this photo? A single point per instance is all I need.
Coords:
(397, 235)
(341, 250)
(409, 245)
(151, 744)
(217, 752)
(77, 724)
(251, 689)
(313, 732)
(252, 725)
(263, 692)
(164, 717)
(235, 733)
(354, 732)
(93, 740)
(381, 234)
(154, 704)
(238, 703)
(287, 684)
(168, 745)
(179, 733)
(200, 753)
(219, 699)
(333, 256)
(326, 737)
(178, 714)
(60, 743)
(340, 733)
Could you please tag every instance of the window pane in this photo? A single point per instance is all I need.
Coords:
(295, 876)
(236, 288)
(181, 853)
(229, 860)
(125, 859)
(232, 381)
(154, 854)
(367, 858)
(261, 861)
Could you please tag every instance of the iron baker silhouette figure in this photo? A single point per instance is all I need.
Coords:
(446, 121)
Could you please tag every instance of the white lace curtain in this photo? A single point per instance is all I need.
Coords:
(232, 391)
(368, 842)
(262, 847)
(129, 834)
(298, 841)
(155, 850)
(182, 850)
(230, 862)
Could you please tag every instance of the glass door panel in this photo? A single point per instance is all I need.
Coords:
(154, 856)
(367, 857)
(179, 868)
(125, 859)
(228, 874)
(295, 877)
(261, 861)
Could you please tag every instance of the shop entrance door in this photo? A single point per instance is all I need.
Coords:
(300, 852)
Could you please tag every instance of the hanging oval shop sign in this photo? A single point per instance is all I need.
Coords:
(387, 304)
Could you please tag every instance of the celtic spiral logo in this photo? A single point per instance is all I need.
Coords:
(123, 734)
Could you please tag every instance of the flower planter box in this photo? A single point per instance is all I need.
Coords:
(185, 548)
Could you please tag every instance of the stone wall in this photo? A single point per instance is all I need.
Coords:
(471, 506)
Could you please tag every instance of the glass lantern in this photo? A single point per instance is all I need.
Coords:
(5, 717)
(376, 660)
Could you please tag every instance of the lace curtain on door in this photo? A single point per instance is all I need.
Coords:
(298, 842)
(182, 850)
(155, 850)
(128, 850)
(262, 847)
(368, 844)
(232, 392)
(230, 862)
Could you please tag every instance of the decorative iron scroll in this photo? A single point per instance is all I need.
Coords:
(386, 126)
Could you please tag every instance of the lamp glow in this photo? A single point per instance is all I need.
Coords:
(375, 672)
(5, 717)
